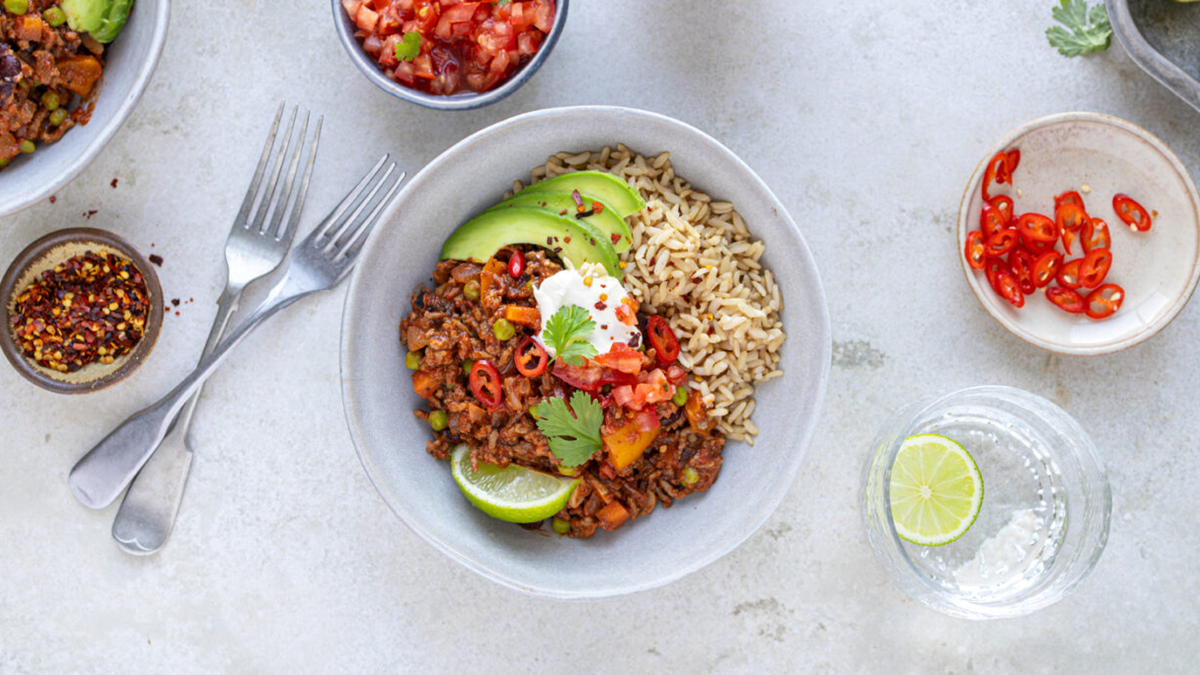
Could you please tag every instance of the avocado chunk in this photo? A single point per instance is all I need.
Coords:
(574, 240)
(563, 204)
(103, 19)
(605, 187)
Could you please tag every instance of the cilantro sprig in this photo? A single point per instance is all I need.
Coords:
(1089, 29)
(566, 333)
(409, 46)
(572, 438)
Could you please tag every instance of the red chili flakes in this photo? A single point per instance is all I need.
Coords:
(601, 306)
(598, 208)
(175, 301)
(53, 199)
(114, 183)
(616, 238)
(155, 258)
(87, 308)
(567, 239)
(696, 280)
(89, 214)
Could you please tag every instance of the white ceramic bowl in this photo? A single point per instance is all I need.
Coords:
(129, 64)
(379, 400)
(1158, 269)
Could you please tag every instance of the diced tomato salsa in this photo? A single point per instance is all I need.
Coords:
(469, 46)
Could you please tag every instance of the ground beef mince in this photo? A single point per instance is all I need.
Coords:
(451, 325)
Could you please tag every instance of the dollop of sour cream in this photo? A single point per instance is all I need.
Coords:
(600, 297)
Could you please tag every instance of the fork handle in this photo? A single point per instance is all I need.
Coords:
(98, 478)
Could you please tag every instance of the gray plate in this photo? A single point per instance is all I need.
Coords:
(1164, 39)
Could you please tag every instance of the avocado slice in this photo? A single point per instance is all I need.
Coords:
(103, 19)
(607, 221)
(605, 187)
(479, 238)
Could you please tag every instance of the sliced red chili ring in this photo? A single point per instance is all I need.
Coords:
(1095, 267)
(1069, 197)
(992, 220)
(530, 357)
(1003, 204)
(1066, 299)
(1131, 213)
(1037, 230)
(1045, 268)
(1001, 243)
(516, 264)
(993, 266)
(1007, 287)
(485, 384)
(974, 250)
(1020, 262)
(1095, 235)
(1104, 301)
(996, 172)
(663, 340)
(1012, 160)
(1068, 274)
(1069, 218)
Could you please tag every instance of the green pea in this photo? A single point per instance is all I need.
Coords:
(560, 526)
(467, 365)
(58, 116)
(690, 476)
(4, 162)
(503, 329)
(17, 7)
(50, 101)
(471, 290)
(27, 146)
(680, 397)
(55, 17)
(412, 360)
(438, 420)
(569, 470)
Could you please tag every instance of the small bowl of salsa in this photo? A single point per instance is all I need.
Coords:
(449, 54)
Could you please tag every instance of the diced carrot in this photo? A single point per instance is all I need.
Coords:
(613, 515)
(697, 417)
(424, 383)
(626, 444)
(526, 316)
(29, 28)
(487, 282)
(80, 73)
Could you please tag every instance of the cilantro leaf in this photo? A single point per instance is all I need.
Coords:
(1089, 30)
(572, 438)
(409, 46)
(566, 333)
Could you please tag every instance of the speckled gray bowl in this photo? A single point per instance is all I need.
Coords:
(129, 63)
(378, 396)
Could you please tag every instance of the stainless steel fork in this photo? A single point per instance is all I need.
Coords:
(318, 263)
(255, 247)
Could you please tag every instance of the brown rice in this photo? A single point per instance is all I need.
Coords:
(694, 262)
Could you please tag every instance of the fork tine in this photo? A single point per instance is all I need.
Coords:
(252, 192)
(351, 247)
(324, 226)
(352, 219)
(293, 221)
(285, 190)
(269, 193)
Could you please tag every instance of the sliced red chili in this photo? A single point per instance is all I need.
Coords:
(516, 264)
(485, 384)
(1012, 160)
(992, 220)
(1001, 243)
(974, 250)
(1095, 235)
(1131, 213)
(993, 266)
(1068, 274)
(663, 340)
(1069, 197)
(1004, 204)
(530, 357)
(1066, 299)
(1095, 267)
(1045, 268)
(1037, 230)
(996, 172)
(1020, 262)
(1007, 287)
(1069, 218)
(1104, 301)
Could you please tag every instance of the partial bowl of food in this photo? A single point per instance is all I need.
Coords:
(454, 55)
(83, 309)
(621, 328)
(71, 71)
(1080, 234)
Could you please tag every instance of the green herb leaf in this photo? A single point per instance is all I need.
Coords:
(502, 3)
(566, 333)
(1089, 30)
(572, 438)
(409, 46)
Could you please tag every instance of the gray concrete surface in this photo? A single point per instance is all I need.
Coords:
(866, 119)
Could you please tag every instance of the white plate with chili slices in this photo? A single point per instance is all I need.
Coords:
(1099, 157)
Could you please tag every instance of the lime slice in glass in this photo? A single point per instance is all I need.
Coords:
(515, 494)
(937, 490)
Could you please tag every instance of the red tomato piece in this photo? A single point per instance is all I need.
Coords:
(1131, 213)
(1020, 262)
(1045, 268)
(1095, 235)
(992, 220)
(1037, 230)
(1094, 267)
(1001, 243)
(1069, 218)
(621, 358)
(647, 420)
(1066, 299)
(974, 250)
(485, 384)
(663, 340)
(1104, 301)
(530, 357)
(1006, 286)
(1068, 274)
(996, 172)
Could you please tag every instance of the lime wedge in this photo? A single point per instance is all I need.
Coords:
(937, 490)
(515, 494)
